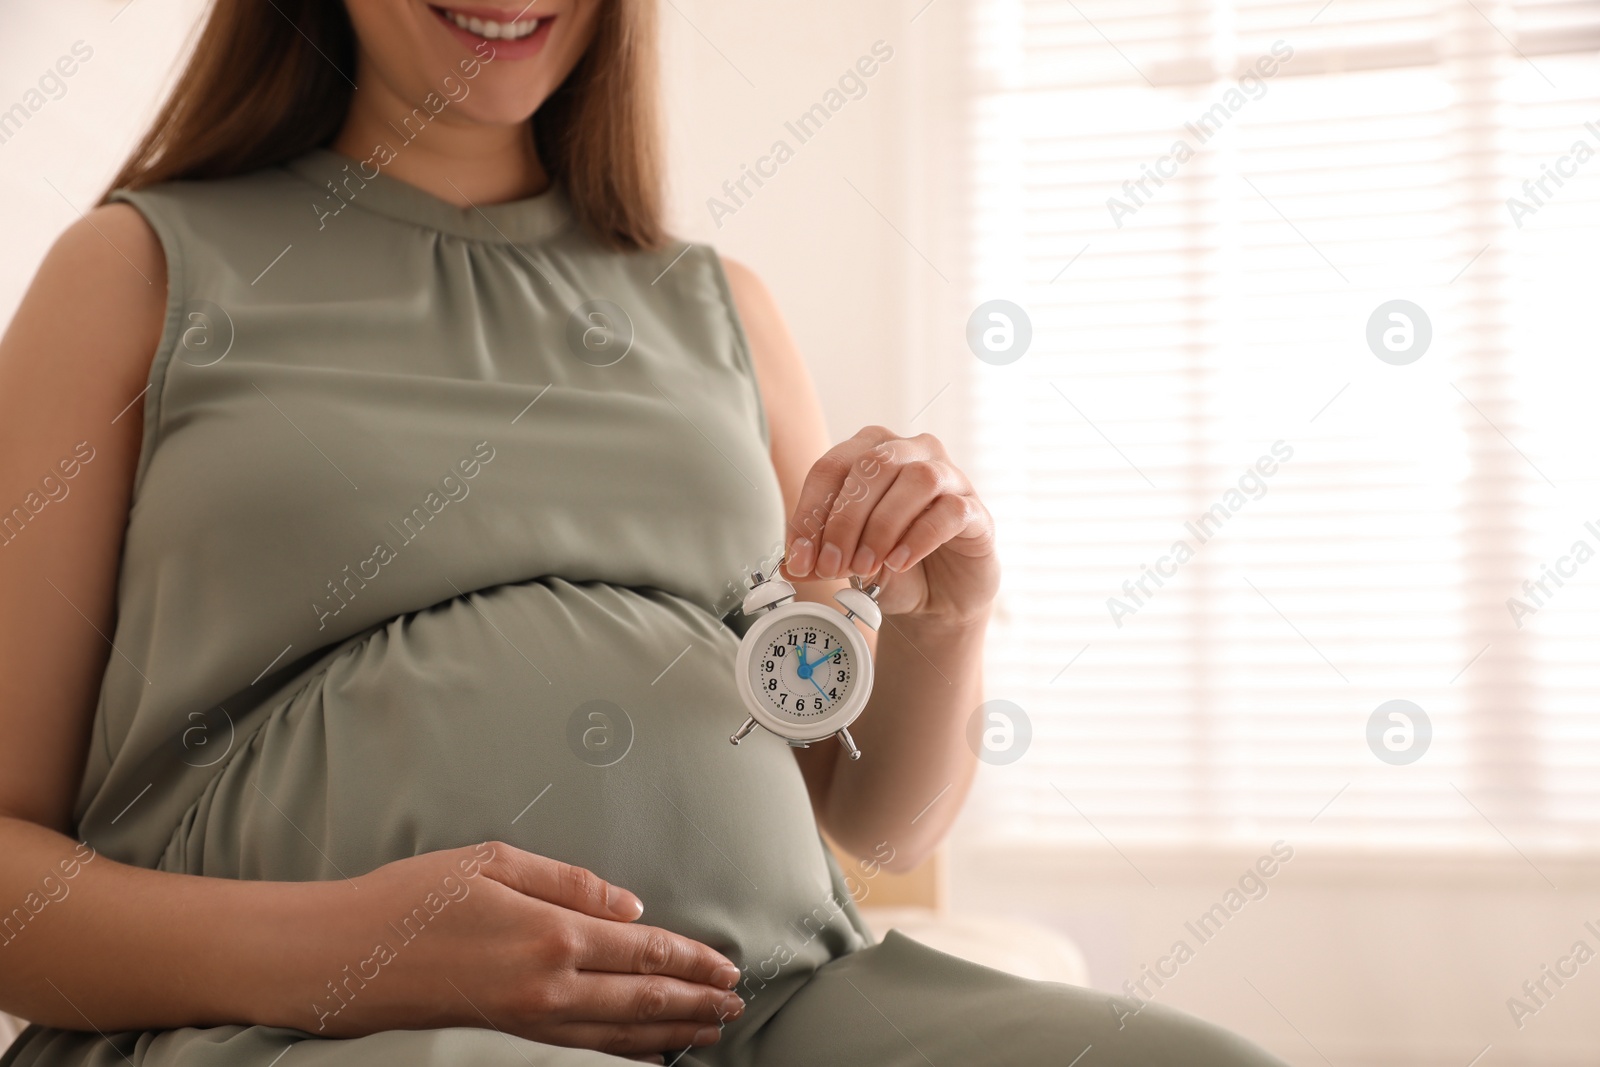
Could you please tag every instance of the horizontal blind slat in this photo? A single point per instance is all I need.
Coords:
(1226, 312)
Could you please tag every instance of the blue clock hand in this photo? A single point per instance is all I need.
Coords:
(821, 690)
(830, 655)
(800, 654)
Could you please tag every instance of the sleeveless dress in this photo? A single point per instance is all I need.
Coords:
(437, 520)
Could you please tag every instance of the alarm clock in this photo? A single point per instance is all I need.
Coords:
(803, 669)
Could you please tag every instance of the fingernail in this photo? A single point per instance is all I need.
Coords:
(897, 559)
(706, 1035)
(799, 556)
(732, 1007)
(864, 560)
(623, 904)
(828, 561)
(726, 976)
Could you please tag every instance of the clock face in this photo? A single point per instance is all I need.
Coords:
(802, 669)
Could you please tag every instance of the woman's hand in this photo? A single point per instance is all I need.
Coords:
(493, 936)
(880, 500)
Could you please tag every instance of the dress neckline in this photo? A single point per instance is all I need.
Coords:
(345, 183)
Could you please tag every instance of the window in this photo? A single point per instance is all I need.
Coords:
(1201, 205)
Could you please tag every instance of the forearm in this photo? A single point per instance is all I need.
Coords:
(916, 766)
(88, 943)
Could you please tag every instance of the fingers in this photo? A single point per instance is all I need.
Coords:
(642, 1040)
(559, 883)
(879, 501)
(639, 950)
(877, 539)
(845, 474)
(627, 998)
(945, 520)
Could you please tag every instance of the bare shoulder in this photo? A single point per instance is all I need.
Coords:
(118, 249)
(90, 322)
(777, 357)
(109, 265)
(741, 279)
(797, 429)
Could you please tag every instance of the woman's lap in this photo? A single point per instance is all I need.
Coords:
(264, 1046)
(902, 1004)
(896, 1004)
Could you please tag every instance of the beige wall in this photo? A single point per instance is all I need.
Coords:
(830, 260)
(76, 142)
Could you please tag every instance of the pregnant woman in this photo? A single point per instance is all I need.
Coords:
(384, 475)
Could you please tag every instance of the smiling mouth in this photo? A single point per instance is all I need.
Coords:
(488, 29)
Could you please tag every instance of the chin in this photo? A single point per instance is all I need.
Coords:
(519, 60)
(506, 100)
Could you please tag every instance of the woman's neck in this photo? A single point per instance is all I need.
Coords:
(457, 160)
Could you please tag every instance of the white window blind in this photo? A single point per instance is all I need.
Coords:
(1183, 329)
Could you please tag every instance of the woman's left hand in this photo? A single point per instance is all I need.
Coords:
(882, 501)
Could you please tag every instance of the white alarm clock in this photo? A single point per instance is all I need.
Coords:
(804, 669)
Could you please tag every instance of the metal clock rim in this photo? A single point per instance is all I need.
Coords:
(849, 709)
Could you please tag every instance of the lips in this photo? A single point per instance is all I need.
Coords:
(506, 27)
(508, 33)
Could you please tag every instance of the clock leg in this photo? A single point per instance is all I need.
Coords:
(749, 724)
(849, 743)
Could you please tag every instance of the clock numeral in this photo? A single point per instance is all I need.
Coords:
(811, 637)
(772, 683)
(777, 650)
(841, 676)
(833, 694)
(793, 640)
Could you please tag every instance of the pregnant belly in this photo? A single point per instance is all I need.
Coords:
(588, 723)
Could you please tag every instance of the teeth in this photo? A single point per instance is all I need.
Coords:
(494, 31)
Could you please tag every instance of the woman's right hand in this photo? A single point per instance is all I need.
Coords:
(493, 936)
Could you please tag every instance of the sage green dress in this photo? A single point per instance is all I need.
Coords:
(435, 525)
